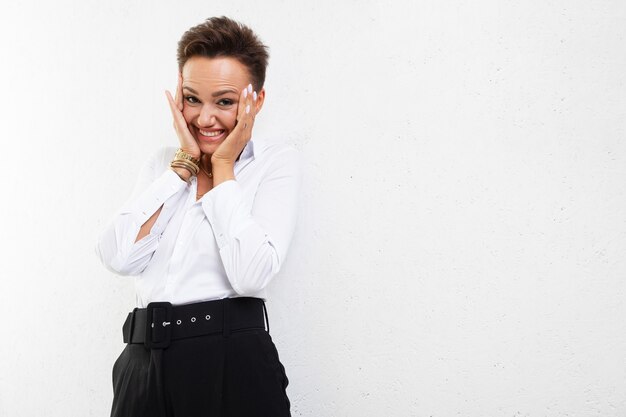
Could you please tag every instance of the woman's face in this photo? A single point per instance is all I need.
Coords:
(211, 91)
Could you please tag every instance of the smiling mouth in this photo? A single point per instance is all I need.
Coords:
(211, 134)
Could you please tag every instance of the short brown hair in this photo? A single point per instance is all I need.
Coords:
(221, 36)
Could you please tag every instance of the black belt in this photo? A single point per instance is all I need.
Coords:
(161, 322)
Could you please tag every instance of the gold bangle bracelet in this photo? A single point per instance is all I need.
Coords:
(185, 164)
(182, 167)
(180, 154)
(186, 161)
(191, 168)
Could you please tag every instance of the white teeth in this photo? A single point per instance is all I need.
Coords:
(210, 134)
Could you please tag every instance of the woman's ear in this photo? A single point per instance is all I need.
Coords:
(259, 100)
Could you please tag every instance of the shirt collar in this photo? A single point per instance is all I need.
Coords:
(248, 152)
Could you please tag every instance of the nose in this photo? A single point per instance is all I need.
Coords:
(207, 116)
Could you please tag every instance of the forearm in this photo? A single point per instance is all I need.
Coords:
(222, 172)
(183, 173)
(127, 243)
(253, 241)
(147, 226)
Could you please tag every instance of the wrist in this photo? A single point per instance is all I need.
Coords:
(187, 162)
(183, 173)
(222, 169)
(221, 161)
(221, 173)
(194, 157)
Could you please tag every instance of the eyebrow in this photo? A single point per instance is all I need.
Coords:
(216, 94)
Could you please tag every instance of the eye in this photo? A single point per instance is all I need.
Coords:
(188, 98)
(225, 102)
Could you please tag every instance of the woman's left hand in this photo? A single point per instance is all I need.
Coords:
(229, 150)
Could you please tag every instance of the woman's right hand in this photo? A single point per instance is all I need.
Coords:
(187, 141)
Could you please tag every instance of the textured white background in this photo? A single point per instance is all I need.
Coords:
(460, 249)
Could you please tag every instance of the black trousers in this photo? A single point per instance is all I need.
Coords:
(230, 374)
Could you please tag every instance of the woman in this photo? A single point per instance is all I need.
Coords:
(207, 227)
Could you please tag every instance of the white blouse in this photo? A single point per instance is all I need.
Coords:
(229, 243)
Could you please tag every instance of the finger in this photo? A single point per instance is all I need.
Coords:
(241, 106)
(255, 97)
(250, 100)
(179, 92)
(170, 101)
(181, 99)
(176, 114)
(172, 106)
(251, 110)
(177, 88)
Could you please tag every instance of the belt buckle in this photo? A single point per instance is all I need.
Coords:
(162, 329)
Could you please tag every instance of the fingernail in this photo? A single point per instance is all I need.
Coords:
(249, 88)
(254, 96)
(245, 92)
(248, 108)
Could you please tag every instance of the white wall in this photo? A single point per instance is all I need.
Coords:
(460, 249)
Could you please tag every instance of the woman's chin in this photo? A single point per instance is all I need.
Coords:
(207, 149)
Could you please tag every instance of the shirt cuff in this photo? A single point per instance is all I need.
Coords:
(224, 207)
(149, 201)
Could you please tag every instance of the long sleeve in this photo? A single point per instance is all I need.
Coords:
(253, 241)
(155, 186)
